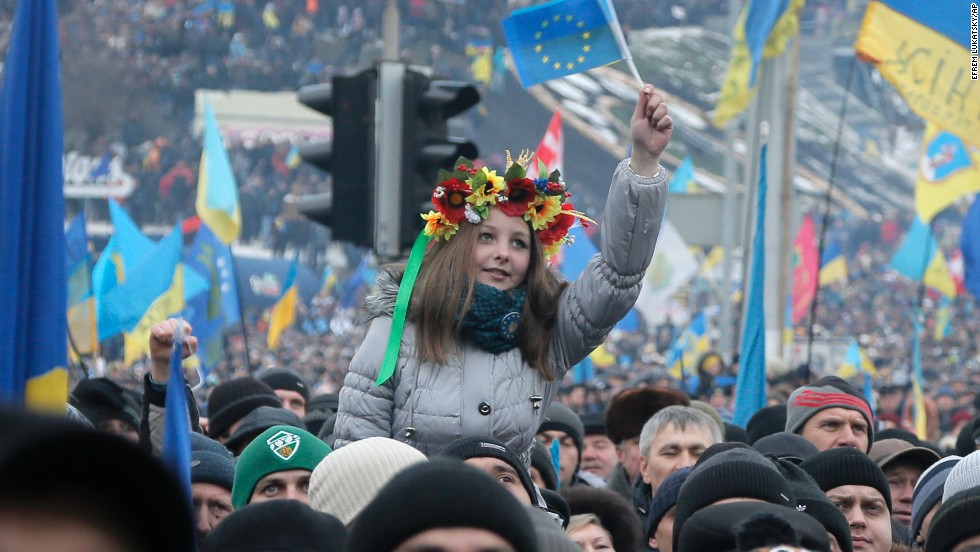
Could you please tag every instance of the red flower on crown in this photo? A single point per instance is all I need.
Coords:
(449, 198)
(557, 230)
(520, 193)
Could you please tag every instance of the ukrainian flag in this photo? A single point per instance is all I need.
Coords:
(856, 362)
(561, 38)
(217, 192)
(922, 48)
(284, 311)
(33, 297)
(762, 31)
(833, 265)
(920, 259)
(949, 168)
(82, 327)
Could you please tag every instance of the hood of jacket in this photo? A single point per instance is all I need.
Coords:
(381, 302)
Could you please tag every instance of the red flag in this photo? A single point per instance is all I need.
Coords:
(551, 150)
(955, 265)
(806, 267)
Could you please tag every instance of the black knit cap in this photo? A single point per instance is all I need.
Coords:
(101, 400)
(327, 402)
(593, 423)
(559, 417)
(737, 526)
(259, 420)
(813, 502)
(211, 462)
(766, 421)
(277, 525)
(789, 446)
(233, 399)
(955, 521)
(847, 466)
(541, 459)
(665, 498)
(735, 473)
(489, 447)
(282, 378)
(440, 493)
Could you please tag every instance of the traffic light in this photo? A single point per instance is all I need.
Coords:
(349, 158)
(429, 103)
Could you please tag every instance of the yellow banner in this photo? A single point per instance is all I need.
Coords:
(949, 168)
(930, 71)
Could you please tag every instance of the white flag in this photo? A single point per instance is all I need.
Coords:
(672, 266)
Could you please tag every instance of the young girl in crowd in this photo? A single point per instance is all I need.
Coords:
(474, 335)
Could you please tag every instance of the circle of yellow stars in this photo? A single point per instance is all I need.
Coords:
(557, 64)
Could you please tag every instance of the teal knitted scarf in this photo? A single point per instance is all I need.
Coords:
(494, 318)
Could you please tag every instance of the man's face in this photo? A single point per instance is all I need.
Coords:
(568, 455)
(867, 515)
(504, 473)
(926, 523)
(672, 449)
(456, 539)
(289, 484)
(598, 455)
(901, 482)
(121, 429)
(663, 537)
(837, 427)
(292, 400)
(211, 504)
(629, 456)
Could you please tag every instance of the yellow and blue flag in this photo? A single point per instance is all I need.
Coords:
(919, 407)
(833, 265)
(33, 349)
(750, 387)
(762, 30)
(923, 49)
(217, 192)
(919, 258)
(691, 344)
(942, 327)
(949, 168)
(82, 328)
(122, 308)
(970, 246)
(209, 313)
(284, 311)
(561, 38)
(856, 362)
(122, 253)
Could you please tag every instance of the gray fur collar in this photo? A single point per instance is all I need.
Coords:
(381, 302)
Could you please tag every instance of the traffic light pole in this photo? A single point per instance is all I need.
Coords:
(388, 153)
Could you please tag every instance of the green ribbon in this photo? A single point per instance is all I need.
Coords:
(401, 307)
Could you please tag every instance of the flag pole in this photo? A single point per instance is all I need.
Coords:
(624, 48)
(821, 241)
(241, 311)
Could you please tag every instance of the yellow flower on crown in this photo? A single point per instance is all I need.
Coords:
(542, 201)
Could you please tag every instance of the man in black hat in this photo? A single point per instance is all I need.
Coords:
(563, 426)
(212, 478)
(599, 456)
(108, 407)
(289, 387)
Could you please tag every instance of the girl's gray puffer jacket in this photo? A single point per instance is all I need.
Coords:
(428, 405)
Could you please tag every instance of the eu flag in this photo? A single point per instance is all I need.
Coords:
(560, 38)
(33, 297)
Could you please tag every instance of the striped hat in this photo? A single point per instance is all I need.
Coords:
(827, 392)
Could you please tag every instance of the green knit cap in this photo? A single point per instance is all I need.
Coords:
(279, 448)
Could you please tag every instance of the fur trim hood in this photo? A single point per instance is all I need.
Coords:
(381, 302)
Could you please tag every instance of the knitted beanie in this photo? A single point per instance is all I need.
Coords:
(282, 378)
(350, 477)
(827, 392)
(725, 526)
(664, 499)
(541, 460)
(929, 491)
(964, 475)
(735, 473)
(101, 400)
(789, 446)
(841, 466)
(734, 433)
(211, 462)
(259, 420)
(327, 402)
(551, 536)
(484, 447)
(440, 493)
(231, 400)
(630, 409)
(955, 521)
(561, 418)
(593, 423)
(277, 525)
(812, 501)
(711, 412)
(556, 505)
(766, 421)
(279, 448)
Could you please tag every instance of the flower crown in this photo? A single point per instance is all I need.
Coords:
(468, 192)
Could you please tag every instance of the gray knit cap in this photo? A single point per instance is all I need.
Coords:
(827, 392)
(211, 462)
(964, 475)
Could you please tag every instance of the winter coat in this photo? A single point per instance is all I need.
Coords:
(429, 405)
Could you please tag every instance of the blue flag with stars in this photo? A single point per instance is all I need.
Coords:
(560, 38)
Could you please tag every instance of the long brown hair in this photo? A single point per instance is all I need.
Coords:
(448, 272)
